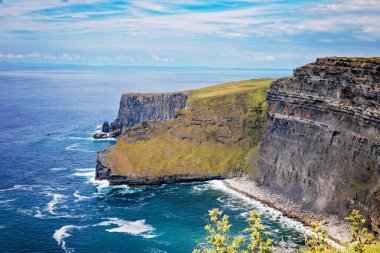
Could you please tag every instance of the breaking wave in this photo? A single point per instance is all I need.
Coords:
(75, 147)
(57, 198)
(62, 233)
(137, 228)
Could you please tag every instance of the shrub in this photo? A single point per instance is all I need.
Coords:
(219, 236)
(318, 240)
(222, 242)
(360, 237)
(260, 242)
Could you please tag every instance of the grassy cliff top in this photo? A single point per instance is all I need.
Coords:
(232, 97)
(230, 88)
(215, 135)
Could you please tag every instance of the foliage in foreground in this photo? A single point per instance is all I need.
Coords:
(222, 242)
(360, 237)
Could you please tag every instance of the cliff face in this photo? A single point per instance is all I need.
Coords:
(136, 108)
(322, 148)
(208, 139)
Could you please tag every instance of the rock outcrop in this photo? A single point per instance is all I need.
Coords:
(139, 107)
(105, 127)
(322, 148)
(163, 141)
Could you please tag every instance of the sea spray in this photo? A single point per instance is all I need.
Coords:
(138, 227)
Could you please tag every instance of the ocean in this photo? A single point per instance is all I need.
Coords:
(49, 200)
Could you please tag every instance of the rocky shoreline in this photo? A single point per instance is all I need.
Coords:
(337, 229)
(147, 181)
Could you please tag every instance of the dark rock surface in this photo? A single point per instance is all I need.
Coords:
(102, 171)
(322, 148)
(182, 178)
(106, 127)
(136, 108)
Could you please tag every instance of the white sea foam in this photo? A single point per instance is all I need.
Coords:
(153, 250)
(80, 197)
(18, 187)
(57, 198)
(103, 186)
(58, 169)
(72, 147)
(62, 233)
(262, 208)
(75, 147)
(6, 201)
(86, 169)
(38, 213)
(201, 188)
(138, 228)
(79, 138)
(105, 139)
(99, 126)
(89, 175)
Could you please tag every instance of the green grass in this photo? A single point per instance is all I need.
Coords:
(180, 146)
(166, 155)
(230, 88)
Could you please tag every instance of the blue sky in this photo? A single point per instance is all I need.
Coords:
(213, 33)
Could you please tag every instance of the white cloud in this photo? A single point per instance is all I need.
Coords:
(162, 59)
(235, 23)
(348, 5)
(118, 35)
(70, 57)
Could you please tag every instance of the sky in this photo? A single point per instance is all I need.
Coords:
(209, 33)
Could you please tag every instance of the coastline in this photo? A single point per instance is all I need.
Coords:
(336, 228)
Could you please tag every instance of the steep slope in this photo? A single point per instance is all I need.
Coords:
(322, 147)
(139, 107)
(210, 138)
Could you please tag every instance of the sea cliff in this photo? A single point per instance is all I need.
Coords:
(196, 135)
(140, 107)
(322, 146)
(312, 139)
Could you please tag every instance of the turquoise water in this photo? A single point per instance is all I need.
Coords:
(49, 200)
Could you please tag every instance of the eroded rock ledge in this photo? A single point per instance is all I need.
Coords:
(322, 148)
(140, 107)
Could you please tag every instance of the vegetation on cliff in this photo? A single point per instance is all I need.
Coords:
(215, 134)
(220, 240)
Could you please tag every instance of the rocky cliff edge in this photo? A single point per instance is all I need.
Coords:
(322, 147)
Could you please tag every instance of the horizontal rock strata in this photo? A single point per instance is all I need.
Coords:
(322, 148)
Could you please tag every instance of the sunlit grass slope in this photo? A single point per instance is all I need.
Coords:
(215, 134)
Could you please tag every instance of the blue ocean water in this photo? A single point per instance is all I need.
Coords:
(49, 200)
